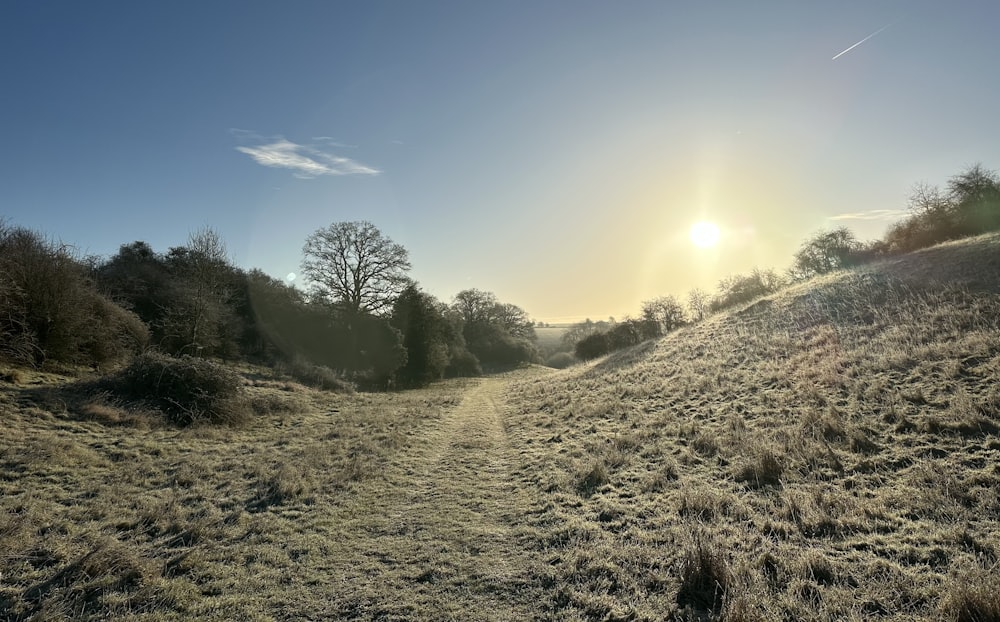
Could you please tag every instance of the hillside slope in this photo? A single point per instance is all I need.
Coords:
(828, 453)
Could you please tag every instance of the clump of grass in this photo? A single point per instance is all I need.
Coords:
(765, 470)
(702, 503)
(973, 598)
(706, 445)
(859, 442)
(816, 567)
(103, 410)
(705, 578)
(589, 481)
(287, 484)
(185, 389)
(660, 479)
(96, 583)
(823, 426)
(13, 376)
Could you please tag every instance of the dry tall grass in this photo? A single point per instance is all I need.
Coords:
(829, 453)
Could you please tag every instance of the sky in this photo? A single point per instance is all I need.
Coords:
(554, 153)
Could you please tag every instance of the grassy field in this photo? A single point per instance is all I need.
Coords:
(829, 453)
(550, 340)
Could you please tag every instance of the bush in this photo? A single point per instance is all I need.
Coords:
(741, 289)
(626, 334)
(561, 360)
(185, 389)
(50, 309)
(969, 206)
(463, 364)
(592, 346)
(825, 252)
(316, 376)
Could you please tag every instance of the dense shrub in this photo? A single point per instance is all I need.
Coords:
(427, 336)
(185, 389)
(592, 346)
(583, 329)
(463, 364)
(50, 309)
(317, 376)
(969, 206)
(560, 360)
(662, 315)
(741, 289)
(629, 333)
(825, 252)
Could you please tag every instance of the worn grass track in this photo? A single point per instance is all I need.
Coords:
(441, 527)
(404, 506)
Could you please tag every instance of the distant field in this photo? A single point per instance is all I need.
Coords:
(550, 339)
(831, 452)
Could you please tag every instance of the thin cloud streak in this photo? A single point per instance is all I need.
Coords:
(306, 161)
(862, 41)
(875, 214)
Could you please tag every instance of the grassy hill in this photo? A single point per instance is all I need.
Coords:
(829, 453)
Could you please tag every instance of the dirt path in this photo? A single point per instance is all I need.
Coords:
(435, 538)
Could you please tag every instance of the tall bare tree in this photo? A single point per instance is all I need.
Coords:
(354, 264)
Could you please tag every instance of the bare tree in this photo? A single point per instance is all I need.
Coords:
(699, 303)
(354, 264)
(475, 305)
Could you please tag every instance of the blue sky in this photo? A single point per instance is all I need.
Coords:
(554, 153)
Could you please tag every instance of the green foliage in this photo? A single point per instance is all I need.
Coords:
(616, 337)
(375, 349)
(200, 318)
(281, 326)
(628, 333)
(427, 337)
(185, 389)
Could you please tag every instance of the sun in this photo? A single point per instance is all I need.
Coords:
(704, 234)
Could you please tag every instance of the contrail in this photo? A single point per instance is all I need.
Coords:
(862, 41)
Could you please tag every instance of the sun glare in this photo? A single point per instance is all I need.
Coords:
(704, 234)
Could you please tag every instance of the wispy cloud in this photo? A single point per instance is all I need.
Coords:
(875, 214)
(305, 161)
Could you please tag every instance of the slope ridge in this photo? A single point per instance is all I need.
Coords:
(830, 451)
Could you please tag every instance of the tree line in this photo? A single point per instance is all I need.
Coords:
(362, 318)
(968, 205)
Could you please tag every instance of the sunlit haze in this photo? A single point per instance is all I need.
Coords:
(705, 234)
(554, 153)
